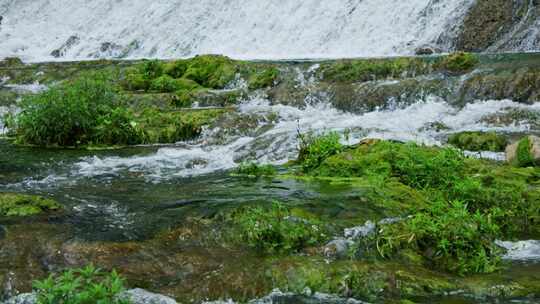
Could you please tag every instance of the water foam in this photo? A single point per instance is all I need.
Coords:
(279, 143)
(80, 29)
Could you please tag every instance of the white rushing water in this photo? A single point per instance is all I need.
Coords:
(32, 29)
(521, 250)
(277, 142)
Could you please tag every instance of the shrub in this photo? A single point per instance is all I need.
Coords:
(151, 69)
(315, 149)
(449, 235)
(479, 141)
(274, 229)
(459, 62)
(255, 170)
(72, 114)
(81, 286)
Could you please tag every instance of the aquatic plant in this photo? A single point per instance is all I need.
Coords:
(81, 286)
(253, 169)
(263, 79)
(74, 113)
(276, 229)
(14, 204)
(449, 235)
(314, 149)
(360, 70)
(459, 62)
(479, 141)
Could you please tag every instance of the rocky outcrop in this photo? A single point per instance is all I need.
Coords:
(136, 296)
(500, 25)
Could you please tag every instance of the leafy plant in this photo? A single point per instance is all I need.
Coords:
(449, 235)
(275, 229)
(88, 285)
(73, 113)
(315, 149)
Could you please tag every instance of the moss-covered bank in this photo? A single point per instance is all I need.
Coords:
(13, 204)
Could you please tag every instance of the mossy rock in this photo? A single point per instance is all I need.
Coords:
(361, 70)
(211, 71)
(479, 141)
(10, 62)
(459, 62)
(12, 204)
(263, 79)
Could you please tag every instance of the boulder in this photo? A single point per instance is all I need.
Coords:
(525, 152)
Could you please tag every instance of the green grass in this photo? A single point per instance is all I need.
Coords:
(88, 285)
(276, 230)
(462, 204)
(315, 149)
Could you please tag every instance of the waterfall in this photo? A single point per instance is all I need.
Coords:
(38, 29)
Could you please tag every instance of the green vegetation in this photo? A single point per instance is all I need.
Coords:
(459, 62)
(276, 229)
(315, 149)
(169, 127)
(81, 286)
(90, 111)
(479, 141)
(457, 239)
(87, 110)
(360, 70)
(263, 79)
(465, 203)
(12, 204)
(523, 155)
(252, 169)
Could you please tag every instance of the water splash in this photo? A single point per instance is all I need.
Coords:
(79, 29)
(277, 142)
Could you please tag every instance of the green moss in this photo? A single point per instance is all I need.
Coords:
(263, 79)
(479, 141)
(12, 204)
(360, 70)
(211, 71)
(459, 62)
(170, 127)
(255, 170)
(176, 69)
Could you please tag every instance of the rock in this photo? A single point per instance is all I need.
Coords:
(141, 296)
(424, 50)
(3, 232)
(23, 298)
(525, 152)
(137, 296)
(62, 50)
(337, 248)
(360, 231)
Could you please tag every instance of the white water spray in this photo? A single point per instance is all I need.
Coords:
(78, 29)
